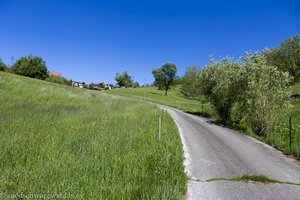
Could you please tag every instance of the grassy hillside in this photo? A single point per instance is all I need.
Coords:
(174, 99)
(57, 139)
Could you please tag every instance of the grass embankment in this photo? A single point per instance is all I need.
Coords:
(174, 99)
(278, 139)
(57, 139)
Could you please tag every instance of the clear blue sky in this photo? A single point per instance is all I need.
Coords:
(89, 40)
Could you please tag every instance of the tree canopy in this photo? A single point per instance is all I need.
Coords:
(3, 66)
(221, 83)
(190, 82)
(124, 79)
(165, 76)
(31, 66)
(286, 57)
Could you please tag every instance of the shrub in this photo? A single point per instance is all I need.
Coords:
(58, 79)
(266, 96)
(220, 82)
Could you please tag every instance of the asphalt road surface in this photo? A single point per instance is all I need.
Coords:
(213, 151)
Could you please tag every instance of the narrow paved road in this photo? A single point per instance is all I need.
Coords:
(212, 151)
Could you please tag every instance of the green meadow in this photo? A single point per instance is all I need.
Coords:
(57, 139)
(174, 99)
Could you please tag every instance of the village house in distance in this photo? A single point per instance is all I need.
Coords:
(94, 86)
(78, 84)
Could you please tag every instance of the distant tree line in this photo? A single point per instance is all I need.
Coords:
(35, 67)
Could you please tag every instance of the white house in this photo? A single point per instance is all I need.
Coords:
(78, 84)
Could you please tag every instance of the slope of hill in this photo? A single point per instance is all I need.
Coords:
(57, 139)
(174, 99)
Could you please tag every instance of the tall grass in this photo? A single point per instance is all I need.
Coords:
(58, 139)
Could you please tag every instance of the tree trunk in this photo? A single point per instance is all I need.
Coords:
(166, 92)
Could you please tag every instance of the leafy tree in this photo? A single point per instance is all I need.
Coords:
(124, 79)
(136, 84)
(286, 57)
(31, 66)
(3, 66)
(266, 96)
(221, 84)
(190, 82)
(91, 86)
(165, 77)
